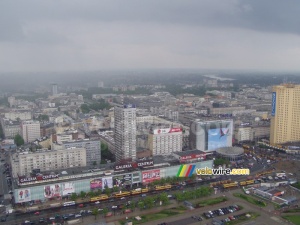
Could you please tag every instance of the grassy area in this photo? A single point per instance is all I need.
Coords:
(292, 210)
(156, 216)
(251, 199)
(243, 218)
(211, 201)
(295, 219)
(296, 185)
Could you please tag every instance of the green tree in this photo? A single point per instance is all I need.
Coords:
(95, 212)
(82, 194)
(85, 108)
(19, 140)
(73, 196)
(107, 191)
(220, 162)
(141, 205)
(149, 202)
(43, 117)
(163, 197)
(132, 206)
(104, 211)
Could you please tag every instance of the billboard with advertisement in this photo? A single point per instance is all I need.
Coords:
(107, 182)
(96, 184)
(218, 138)
(122, 180)
(68, 188)
(51, 191)
(167, 130)
(150, 176)
(24, 195)
(273, 104)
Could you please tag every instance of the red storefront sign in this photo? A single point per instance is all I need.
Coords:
(150, 176)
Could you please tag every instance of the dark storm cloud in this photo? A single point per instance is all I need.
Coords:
(92, 34)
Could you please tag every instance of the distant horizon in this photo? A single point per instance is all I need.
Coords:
(198, 70)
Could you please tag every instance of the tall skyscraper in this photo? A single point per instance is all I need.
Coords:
(125, 132)
(54, 89)
(285, 121)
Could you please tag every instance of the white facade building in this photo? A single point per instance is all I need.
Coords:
(165, 141)
(125, 132)
(30, 130)
(46, 160)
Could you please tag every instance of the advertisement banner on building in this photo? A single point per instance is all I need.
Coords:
(167, 130)
(68, 188)
(51, 191)
(24, 195)
(273, 111)
(107, 182)
(119, 181)
(150, 176)
(96, 184)
(37, 178)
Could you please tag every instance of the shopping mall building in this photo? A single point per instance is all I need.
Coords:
(41, 188)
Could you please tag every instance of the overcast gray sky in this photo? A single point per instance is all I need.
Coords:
(68, 35)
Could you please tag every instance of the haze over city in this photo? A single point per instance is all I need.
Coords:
(43, 36)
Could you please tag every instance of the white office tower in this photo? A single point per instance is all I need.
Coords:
(125, 133)
(30, 130)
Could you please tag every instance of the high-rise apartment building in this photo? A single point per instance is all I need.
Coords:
(54, 89)
(165, 141)
(30, 130)
(125, 132)
(285, 121)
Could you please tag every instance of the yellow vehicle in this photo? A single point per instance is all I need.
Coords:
(99, 198)
(121, 194)
(230, 185)
(158, 188)
(139, 191)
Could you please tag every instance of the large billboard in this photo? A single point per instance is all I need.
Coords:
(101, 183)
(122, 180)
(209, 135)
(96, 184)
(150, 176)
(273, 103)
(68, 188)
(24, 195)
(218, 138)
(51, 191)
(107, 182)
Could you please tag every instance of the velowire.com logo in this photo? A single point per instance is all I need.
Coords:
(188, 170)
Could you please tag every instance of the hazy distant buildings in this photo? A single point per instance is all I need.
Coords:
(125, 132)
(30, 130)
(100, 84)
(54, 89)
(285, 121)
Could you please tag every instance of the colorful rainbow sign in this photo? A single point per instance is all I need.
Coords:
(186, 170)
